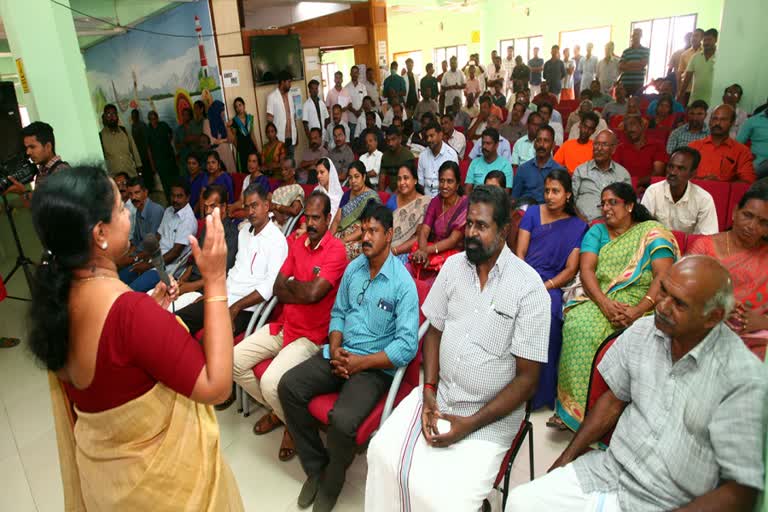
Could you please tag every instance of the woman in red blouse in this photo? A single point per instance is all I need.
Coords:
(131, 389)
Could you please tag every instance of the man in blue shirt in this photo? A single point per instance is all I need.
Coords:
(373, 330)
(147, 219)
(490, 161)
(529, 180)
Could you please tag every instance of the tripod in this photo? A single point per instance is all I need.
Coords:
(22, 262)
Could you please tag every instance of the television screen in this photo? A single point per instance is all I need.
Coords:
(272, 54)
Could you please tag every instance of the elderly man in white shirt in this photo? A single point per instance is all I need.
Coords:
(280, 111)
(432, 158)
(679, 204)
(356, 91)
(372, 158)
(315, 113)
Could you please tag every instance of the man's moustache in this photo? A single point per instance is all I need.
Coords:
(367, 245)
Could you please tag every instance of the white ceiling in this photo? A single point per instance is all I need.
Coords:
(263, 14)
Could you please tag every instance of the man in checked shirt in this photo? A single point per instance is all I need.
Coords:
(489, 317)
(688, 403)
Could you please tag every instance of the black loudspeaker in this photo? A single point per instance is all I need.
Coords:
(11, 142)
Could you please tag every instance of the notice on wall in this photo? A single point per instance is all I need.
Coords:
(231, 77)
(22, 76)
(295, 96)
(312, 62)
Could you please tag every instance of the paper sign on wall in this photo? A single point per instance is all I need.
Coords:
(295, 95)
(312, 62)
(22, 76)
(231, 77)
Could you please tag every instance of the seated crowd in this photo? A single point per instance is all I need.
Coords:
(537, 234)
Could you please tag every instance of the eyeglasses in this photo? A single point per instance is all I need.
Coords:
(362, 293)
(609, 202)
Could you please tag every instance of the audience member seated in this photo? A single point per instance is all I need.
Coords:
(370, 127)
(273, 152)
(732, 96)
(665, 88)
(504, 149)
(336, 120)
(310, 156)
(472, 108)
(396, 110)
(516, 212)
(523, 149)
(633, 109)
(121, 180)
(684, 393)
(217, 175)
(371, 159)
(490, 160)
(617, 107)
(373, 330)
(601, 125)
(496, 179)
(146, 220)
(431, 161)
(306, 284)
(393, 157)
(191, 281)
(418, 140)
(621, 263)
(347, 224)
(178, 225)
(545, 109)
(341, 155)
(442, 233)
(498, 97)
(288, 199)
(427, 104)
(195, 179)
(488, 333)
(640, 156)
(544, 96)
(585, 105)
(694, 129)
(577, 150)
(480, 122)
(328, 183)
(664, 119)
(590, 178)
(254, 176)
(408, 207)
(599, 99)
(514, 127)
(723, 158)
(261, 250)
(460, 117)
(678, 203)
(755, 131)
(548, 240)
(451, 136)
(744, 252)
(362, 120)
(529, 180)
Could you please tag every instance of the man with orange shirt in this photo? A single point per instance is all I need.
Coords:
(575, 152)
(723, 158)
(641, 157)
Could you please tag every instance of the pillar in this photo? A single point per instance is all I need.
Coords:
(42, 34)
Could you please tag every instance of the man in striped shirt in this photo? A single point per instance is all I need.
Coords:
(633, 64)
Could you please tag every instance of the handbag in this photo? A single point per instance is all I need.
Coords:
(434, 261)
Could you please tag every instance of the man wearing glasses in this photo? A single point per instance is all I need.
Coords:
(120, 152)
(590, 178)
(373, 331)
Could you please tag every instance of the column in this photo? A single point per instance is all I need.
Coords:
(42, 34)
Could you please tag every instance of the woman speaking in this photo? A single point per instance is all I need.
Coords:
(131, 389)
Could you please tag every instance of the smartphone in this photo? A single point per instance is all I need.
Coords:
(443, 426)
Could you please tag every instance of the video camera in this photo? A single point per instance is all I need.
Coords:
(18, 167)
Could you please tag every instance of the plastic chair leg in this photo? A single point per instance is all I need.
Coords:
(530, 448)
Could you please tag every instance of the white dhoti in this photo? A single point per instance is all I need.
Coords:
(559, 490)
(406, 474)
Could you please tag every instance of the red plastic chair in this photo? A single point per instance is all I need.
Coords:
(503, 477)
(308, 189)
(464, 169)
(690, 239)
(405, 380)
(274, 183)
(238, 178)
(460, 129)
(737, 192)
(384, 196)
(721, 193)
(682, 240)
(597, 385)
(468, 149)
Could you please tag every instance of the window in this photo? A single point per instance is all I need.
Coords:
(446, 52)
(329, 69)
(523, 46)
(663, 36)
(418, 65)
(598, 36)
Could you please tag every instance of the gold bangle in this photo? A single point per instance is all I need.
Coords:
(551, 282)
(217, 298)
(650, 299)
(436, 251)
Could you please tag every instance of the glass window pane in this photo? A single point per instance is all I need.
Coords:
(503, 45)
(462, 54)
(537, 42)
(521, 48)
(659, 49)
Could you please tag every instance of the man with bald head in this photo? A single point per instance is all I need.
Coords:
(686, 401)
(590, 178)
(723, 158)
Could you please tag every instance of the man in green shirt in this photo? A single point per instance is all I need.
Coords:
(429, 82)
(394, 156)
(701, 69)
(394, 84)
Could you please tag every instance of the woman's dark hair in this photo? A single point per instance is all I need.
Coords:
(65, 209)
(411, 169)
(378, 211)
(215, 154)
(360, 167)
(626, 193)
(450, 165)
(562, 177)
(758, 190)
(325, 162)
(238, 100)
(269, 125)
(258, 155)
(196, 157)
(201, 103)
(498, 176)
(219, 190)
(497, 198)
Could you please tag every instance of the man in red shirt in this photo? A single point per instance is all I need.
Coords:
(641, 157)
(316, 262)
(723, 158)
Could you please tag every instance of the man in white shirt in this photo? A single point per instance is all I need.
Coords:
(356, 91)
(504, 149)
(431, 159)
(679, 204)
(315, 113)
(338, 95)
(453, 137)
(509, 65)
(371, 86)
(588, 70)
(453, 82)
(336, 119)
(280, 111)
(372, 158)
(368, 106)
(608, 69)
(261, 251)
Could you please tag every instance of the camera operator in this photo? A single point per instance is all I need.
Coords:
(40, 147)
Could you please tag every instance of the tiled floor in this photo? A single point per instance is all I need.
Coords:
(29, 468)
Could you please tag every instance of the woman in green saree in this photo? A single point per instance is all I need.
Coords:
(621, 263)
(346, 224)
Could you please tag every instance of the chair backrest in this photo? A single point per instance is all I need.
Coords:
(467, 149)
(412, 372)
(682, 240)
(464, 168)
(635, 181)
(597, 385)
(238, 178)
(308, 189)
(384, 196)
(720, 192)
(656, 179)
(690, 239)
(737, 192)
(274, 183)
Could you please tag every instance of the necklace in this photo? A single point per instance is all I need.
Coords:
(86, 279)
